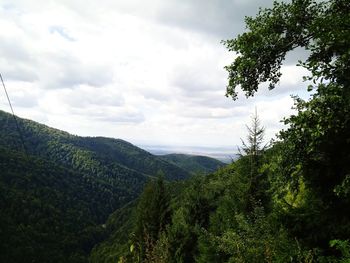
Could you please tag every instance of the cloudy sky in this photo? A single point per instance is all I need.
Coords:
(150, 72)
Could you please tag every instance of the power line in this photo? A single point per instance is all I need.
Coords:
(14, 116)
(24, 146)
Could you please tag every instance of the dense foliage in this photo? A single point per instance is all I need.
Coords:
(288, 203)
(104, 157)
(48, 213)
(315, 151)
(130, 226)
(219, 218)
(56, 195)
(321, 27)
(121, 165)
(292, 203)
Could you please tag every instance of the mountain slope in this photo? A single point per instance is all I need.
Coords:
(49, 213)
(56, 194)
(194, 164)
(104, 157)
(131, 156)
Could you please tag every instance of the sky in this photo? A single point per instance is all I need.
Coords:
(149, 72)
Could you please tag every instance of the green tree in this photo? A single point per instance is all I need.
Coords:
(316, 145)
(252, 150)
(153, 214)
(192, 215)
(320, 27)
(254, 146)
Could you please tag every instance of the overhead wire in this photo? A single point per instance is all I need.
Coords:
(14, 116)
(21, 227)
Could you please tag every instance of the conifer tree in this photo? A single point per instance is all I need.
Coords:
(252, 150)
(152, 216)
(254, 146)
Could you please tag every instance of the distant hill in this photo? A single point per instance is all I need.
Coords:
(104, 157)
(194, 164)
(53, 197)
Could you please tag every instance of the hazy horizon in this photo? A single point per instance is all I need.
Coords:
(225, 154)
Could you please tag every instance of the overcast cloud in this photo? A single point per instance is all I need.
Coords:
(150, 72)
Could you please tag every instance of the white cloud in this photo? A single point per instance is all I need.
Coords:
(148, 72)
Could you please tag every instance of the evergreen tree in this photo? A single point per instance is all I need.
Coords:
(254, 146)
(153, 213)
(252, 151)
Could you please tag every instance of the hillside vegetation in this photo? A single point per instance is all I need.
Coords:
(288, 203)
(104, 157)
(229, 216)
(59, 189)
(49, 213)
(77, 199)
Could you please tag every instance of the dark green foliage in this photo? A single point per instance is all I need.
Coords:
(59, 193)
(130, 156)
(48, 213)
(119, 226)
(316, 144)
(315, 152)
(124, 223)
(191, 212)
(215, 219)
(124, 168)
(144, 224)
(153, 214)
(112, 159)
(193, 164)
(293, 206)
(316, 149)
(210, 222)
(343, 247)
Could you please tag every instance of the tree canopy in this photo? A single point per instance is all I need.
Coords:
(295, 205)
(315, 151)
(320, 27)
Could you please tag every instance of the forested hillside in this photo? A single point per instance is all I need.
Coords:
(192, 163)
(50, 213)
(231, 217)
(104, 157)
(65, 198)
(287, 203)
(58, 189)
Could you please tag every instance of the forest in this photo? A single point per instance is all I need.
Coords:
(284, 202)
(57, 190)
(66, 198)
